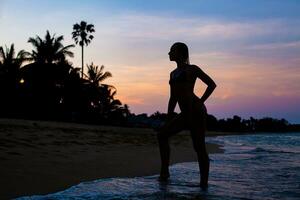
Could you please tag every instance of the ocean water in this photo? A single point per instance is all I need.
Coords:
(262, 166)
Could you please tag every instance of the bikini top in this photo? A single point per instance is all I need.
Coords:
(178, 76)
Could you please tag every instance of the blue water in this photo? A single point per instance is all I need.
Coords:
(264, 166)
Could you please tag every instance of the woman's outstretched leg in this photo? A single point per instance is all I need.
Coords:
(172, 127)
(198, 137)
(203, 160)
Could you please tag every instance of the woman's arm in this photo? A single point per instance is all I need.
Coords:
(172, 100)
(171, 105)
(211, 85)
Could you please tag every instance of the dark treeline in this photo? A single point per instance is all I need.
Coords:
(43, 84)
(237, 124)
(234, 124)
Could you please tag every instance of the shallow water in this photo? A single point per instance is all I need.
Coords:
(264, 166)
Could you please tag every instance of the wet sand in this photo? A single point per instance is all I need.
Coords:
(38, 157)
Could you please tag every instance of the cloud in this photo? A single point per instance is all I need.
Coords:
(161, 27)
(274, 46)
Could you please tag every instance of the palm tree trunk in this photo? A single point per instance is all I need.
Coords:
(82, 61)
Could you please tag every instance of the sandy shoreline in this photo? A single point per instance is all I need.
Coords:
(38, 157)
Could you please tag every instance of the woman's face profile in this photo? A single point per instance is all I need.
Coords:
(173, 54)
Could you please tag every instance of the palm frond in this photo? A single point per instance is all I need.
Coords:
(2, 54)
(83, 25)
(108, 86)
(105, 76)
(90, 28)
(35, 42)
(10, 52)
(50, 49)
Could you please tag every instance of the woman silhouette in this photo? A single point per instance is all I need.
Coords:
(193, 111)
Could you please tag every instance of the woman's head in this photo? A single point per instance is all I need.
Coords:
(179, 52)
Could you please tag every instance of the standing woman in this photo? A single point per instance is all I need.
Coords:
(193, 111)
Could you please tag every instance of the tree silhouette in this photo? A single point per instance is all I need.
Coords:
(96, 75)
(82, 35)
(49, 50)
(97, 94)
(107, 99)
(126, 110)
(8, 57)
(10, 64)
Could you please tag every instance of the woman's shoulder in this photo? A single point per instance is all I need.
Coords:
(192, 66)
(173, 71)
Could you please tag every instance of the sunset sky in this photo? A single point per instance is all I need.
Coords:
(250, 48)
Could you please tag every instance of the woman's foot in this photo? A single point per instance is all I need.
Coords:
(203, 186)
(163, 177)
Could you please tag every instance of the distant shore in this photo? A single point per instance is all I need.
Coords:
(41, 157)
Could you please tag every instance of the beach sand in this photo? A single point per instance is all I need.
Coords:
(39, 157)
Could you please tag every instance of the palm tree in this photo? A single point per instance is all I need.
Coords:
(49, 50)
(82, 35)
(8, 57)
(108, 100)
(10, 63)
(98, 93)
(96, 75)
